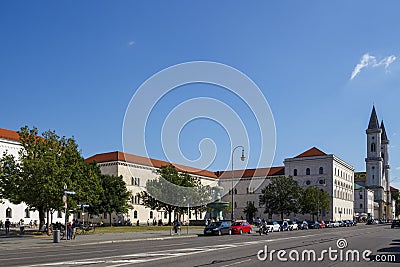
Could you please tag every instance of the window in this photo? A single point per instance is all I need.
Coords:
(361, 196)
(321, 170)
(151, 214)
(235, 191)
(8, 213)
(373, 147)
(308, 171)
(230, 191)
(165, 215)
(235, 205)
(59, 214)
(308, 182)
(247, 190)
(135, 214)
(27, 213)
(135, 181)
(295, 172)
(321, 181)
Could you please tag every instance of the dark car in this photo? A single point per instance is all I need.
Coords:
(313, 225)
(218, 228)
(303, 225)
(284, 225)
(395, 223)
(342, 224)
(369, 222)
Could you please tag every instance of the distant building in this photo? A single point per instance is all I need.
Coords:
(311, 168)
(364, 205)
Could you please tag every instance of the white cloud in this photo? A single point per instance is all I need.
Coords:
(368, 60)
(131, 43)
(398, 168)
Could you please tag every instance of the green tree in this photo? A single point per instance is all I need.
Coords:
(46, 164)
(172, 190)
(114, 197)
(396, 197)
(280, 196)
(314, 200)
(250, 211)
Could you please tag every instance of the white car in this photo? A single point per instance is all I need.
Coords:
(293, 225)
(332, 224)
(273, 226)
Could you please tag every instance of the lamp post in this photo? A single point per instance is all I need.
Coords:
(233, 176)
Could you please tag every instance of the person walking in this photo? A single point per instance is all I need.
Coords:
(69, 231)
(21, 226)
(1, 224)
(7, 226)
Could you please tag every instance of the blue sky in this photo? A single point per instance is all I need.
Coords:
(74, 66)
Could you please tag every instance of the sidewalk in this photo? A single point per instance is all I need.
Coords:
(15, 240)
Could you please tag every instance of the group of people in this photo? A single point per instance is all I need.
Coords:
(21, 224)
(6, 225)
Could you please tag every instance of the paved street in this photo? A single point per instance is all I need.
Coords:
(160, 249)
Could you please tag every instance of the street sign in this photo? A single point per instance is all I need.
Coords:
(64, 198)
(69, 192)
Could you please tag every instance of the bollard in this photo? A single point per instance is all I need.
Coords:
(56, 236)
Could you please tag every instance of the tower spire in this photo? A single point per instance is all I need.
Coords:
(384, 135)
(373, 121)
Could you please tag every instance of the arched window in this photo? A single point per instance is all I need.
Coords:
(27, 213)
(235, 191)
(151, 214)
(235, 205)
(321, 170)
(8, 213)
(373, 147)
(135, 214)
(295, 172)
(165, 215)
(308, 171)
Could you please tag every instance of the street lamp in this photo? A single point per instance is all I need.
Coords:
(242, 158)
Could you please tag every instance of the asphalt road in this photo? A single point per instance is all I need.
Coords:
(247, 250)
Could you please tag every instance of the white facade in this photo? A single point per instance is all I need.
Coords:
(328, 173)
(136, 171)
(364, 202)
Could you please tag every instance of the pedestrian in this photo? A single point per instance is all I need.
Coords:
(7, 226)
(148, 222)
(1, 224)
(30, 224)
(21, 226)
(69, 231)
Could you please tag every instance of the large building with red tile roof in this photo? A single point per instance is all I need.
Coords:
(310, 168)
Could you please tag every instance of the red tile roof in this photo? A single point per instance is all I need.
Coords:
(9, 134)
(121, 156)
(393, 189)
(260, 172)
(313, 152)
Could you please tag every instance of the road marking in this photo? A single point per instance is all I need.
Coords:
(236, 263)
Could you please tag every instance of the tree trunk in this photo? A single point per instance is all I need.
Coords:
(41, 218)
(169, 217)
(110, 219)
(281, 216)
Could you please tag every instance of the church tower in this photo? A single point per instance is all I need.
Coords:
(377, 165)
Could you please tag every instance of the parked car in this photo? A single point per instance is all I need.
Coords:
(330, 224)
(240, 227)
(371, 221)
(313, 225)
(303, 225)
(348, 223)
(342, 223)
(293, 225)
(218, 228)
(395, 223)
(284, 225)
(321, 224)
(274, 226)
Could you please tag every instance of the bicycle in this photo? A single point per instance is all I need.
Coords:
(84, 230)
